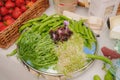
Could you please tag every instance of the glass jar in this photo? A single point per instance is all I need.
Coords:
(68, 5)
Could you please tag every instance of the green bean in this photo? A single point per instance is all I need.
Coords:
(46, 23)
(96, 77)
(36, 23)
(87, 43)
(24, 26)
(66, 18)
(52, 24)
(56, 25)
(80, 26)
(12, 53)
(105, 59)
(86, 32)
(71, 27)
(76, 26)
(91, 34)
(48, 18)
(35, 27)
(44, 16)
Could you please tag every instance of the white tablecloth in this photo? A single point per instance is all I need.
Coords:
(12, 69)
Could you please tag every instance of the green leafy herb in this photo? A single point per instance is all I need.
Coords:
(38, 50)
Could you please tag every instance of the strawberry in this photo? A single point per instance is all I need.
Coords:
(2, 28)
(23, 8)
(9, 4)
(0, 18)
(33, 0)
(1, 24)
(5, 0)
(9, 21)
(16, 13)
(1, 3)
(20, 2)
(3, 11)
(10, 10)
(13, 0)
(29, 4)
(27, 1)
(7, 17)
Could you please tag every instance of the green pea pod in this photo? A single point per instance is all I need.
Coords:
(80, 26)
(71, 27)
(108, 76)
(96, 77)
(86, 31)
(46, 23)
(48, 18)
(76, 25)
(105, 59)
(56, 25)
(66, 18)
(24, 26)
(91, 34)
(87, 43)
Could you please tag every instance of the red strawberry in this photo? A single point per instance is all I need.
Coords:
(27, 1)
(29, 4)
(1, 24)
(5, 0)
(9, 21)
(20, 2)
(7, 17)
(2, 28)
(10, 11)
(23, 8)
(9, 4)
(0, 18)
(3, 10)
(16, 13)
(13, 0)
(1, 3)
(33, 0)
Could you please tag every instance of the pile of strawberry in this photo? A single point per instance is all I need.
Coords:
(10, 10)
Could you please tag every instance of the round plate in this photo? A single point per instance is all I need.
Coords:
(50, 71)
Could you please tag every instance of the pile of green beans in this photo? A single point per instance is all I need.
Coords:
(84, 31)
(46, 23)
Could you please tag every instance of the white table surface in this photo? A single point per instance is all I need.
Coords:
(12, 69)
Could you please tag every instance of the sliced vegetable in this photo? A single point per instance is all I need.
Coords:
(111, 54)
